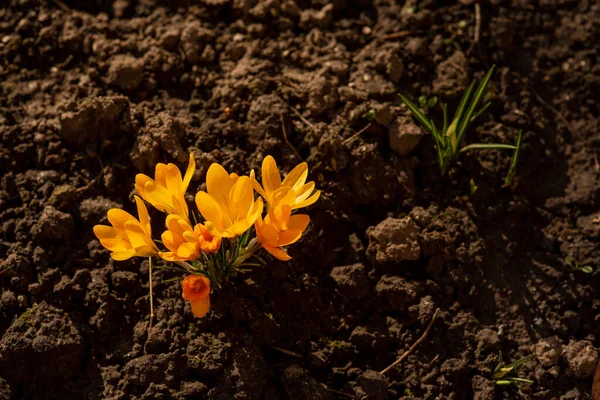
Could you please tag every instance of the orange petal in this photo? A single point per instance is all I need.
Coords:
(278, 253)
(241, 198)
(288, 237)
(200, 307)
(298, 222)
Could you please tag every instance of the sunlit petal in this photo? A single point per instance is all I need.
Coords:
(288, 237)
(122, 255)
(210, 209)
(200, 307)
(308, 201)
(297, 176)
(241, 198)
(188, 173)
(278, 253)
(104, 232)
(270, 175)
(256, 185)
(218, 185)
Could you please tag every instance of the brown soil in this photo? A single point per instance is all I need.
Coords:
(93, 92)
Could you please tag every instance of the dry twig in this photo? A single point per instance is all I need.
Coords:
(307, 122)
(338, 392)
(477, 21)
(357, 134)
(414, 346)
(151, 301)
(286, 352)
(285, 138)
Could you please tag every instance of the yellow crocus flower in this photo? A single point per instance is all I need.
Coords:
(276, 193)
(127, 237)
(228, 204)
(279, 229)
(166, 192)
(186, 243)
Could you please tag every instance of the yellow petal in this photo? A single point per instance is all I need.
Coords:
(270, 175)
(117, 219)
(160, 174)
(308, 201)
(218, 185)
(210, 210)
(168, 256)
(243, 225)
(171, 240)
(116, 244)
(278, 253)
(137, 236)
(188, 251)
(256, 185)
(200, 307)
(297, 176)
(173, 178)
(143, 215)
(188, 173)
(145, 251)
(283, 195)
(104, 232)
(241, 198)
(122, 255)
(304, 191)
(140, 182)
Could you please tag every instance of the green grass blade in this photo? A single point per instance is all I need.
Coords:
(445, 126)
(512, 170)
(439, 144)
(481, 89)
(487, 146)
(478, 113)
(463, 101)
(423, 120)
(520, 362)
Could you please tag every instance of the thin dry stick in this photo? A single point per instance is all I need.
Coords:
(337, 392)
(286, 352)
(414, 346)
(307, 122)
(477, 21)
(357, 134)
(285, 138)
(401, 34)
(151, 301)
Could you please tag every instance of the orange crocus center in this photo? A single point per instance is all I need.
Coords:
(195, 287)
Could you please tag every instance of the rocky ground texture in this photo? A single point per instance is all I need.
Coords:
(92, 93)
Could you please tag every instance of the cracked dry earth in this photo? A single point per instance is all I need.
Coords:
(92, 93)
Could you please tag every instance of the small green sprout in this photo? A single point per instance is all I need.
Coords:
(369, 115)
(472, 187)
(501, 371)
(426, 102)
(449, 141)
(575, 266)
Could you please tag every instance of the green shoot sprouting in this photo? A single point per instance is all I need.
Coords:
(448, 141)
(501, 371)
(575, 266)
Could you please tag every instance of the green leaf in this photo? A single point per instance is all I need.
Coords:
(487, 146)
(481, 111)
(423, 101)
(570, 260)
(479, 93)
(463, 102)
(432, 101)
(472, 187)
(423, 120)
(587, 269)
(445, 126)
(512, 169)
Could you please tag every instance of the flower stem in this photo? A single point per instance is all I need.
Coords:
(151, 301)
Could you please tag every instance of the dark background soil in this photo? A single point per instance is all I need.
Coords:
(93, 92)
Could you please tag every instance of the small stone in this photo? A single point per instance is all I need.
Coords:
(404, 135)
(399, 292)
(63, 197)
(125, 71)
(372, 385)
(352, 280)
(93, 211)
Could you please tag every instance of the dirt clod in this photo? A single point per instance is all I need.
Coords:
(53, 224)
(404, 135)
(395, 240)
(581, 358)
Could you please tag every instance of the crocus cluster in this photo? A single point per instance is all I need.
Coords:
(218, 240)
